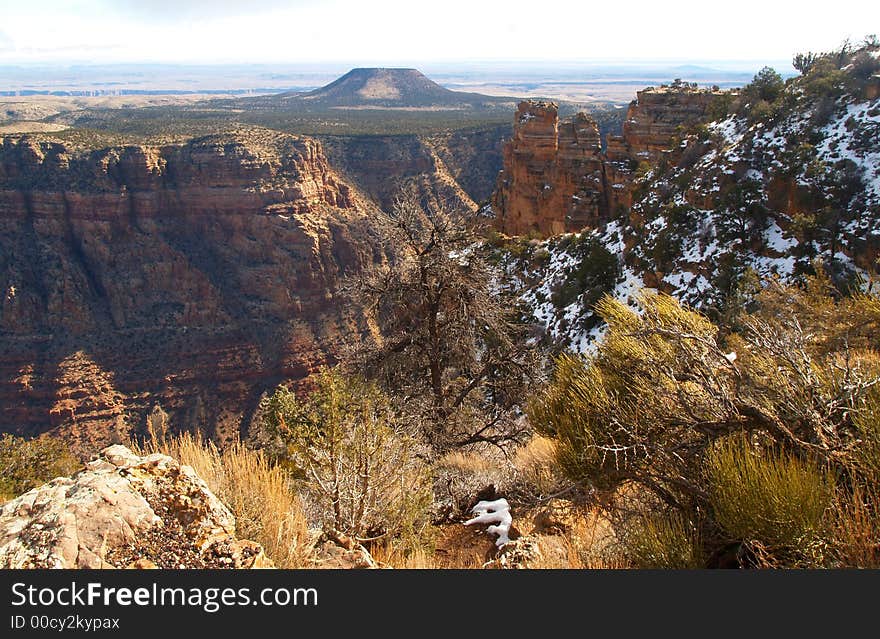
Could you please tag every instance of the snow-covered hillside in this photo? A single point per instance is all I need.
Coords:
(762, 191)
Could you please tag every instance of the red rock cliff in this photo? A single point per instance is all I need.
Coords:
(557, 179)
(195, 276)
(552, 177)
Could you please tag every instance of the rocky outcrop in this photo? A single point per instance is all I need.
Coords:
(529, 165)
(654, 118)
(124, 510)
(743, 196)
(195, 275)
(556, 177)
(552, 178)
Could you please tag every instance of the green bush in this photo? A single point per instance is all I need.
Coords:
(720, 107)
(771, 497)
(28, 463)
(663, 540)
(803, 62)
(767, 85)
(761, 111)
(363, 471)
(595, 274)
(825, 79)
(766, 438)
(865, 65)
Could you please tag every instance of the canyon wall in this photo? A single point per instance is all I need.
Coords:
(195, 276)
(454, 169)
(557, 179)
(473, 157)
(384, 167)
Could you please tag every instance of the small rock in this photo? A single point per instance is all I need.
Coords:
(338, 551)
(556, 516)
(517, 554)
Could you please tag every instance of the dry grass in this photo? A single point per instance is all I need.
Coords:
(451, 546)
(538, 453)
(593, 539)
(467, 462)
(536, 466)
(589, 542)
(663, 540)
(558, 552)
(856, 532)
(419, 559)
(266, 509)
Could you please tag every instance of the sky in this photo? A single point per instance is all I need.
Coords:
(407, 32)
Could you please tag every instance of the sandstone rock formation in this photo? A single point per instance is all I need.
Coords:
(552, 174)
(556, 177)
(193, 275)
(124, 510)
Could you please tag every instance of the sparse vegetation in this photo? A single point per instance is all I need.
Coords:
(27, 463)
(656, 540)
(769, 497)
(447, 342)
(744, 432)
(595, 274)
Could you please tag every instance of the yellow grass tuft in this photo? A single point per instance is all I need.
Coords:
(470, 463)
(536, 466)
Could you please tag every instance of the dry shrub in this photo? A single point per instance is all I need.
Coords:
(365, 473)
(260, 496)
(866, 456)
(460, 475)
(765, 439)
(593, 538)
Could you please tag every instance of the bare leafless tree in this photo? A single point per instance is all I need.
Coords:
(449, 346)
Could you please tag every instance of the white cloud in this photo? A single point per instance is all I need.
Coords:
(169, 10)
(6, 43)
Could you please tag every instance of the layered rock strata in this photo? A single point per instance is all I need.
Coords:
(195, 276)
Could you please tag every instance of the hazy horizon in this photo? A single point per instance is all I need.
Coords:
(566, 80)
(397, 33)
